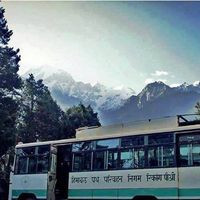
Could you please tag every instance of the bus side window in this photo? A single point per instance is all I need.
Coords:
(82, 161)
(126, 158)
(42, 164)
(99, 160)
(112, 159)
(22, 165)
(153, 159)
(161, 156)
(184, 155)
(32, 165)
(168, 156)
(196, 154)
(189, 150)
(139, 161)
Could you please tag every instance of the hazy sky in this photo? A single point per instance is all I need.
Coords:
(114, 43)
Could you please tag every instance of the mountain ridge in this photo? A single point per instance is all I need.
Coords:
(156, 99)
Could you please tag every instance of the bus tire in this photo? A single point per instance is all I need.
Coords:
(27, 197)
(144, 198)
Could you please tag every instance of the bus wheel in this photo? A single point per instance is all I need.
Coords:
(30, 198)
(145, 198)
(27, 197)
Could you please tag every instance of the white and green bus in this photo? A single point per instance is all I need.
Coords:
(153, 159)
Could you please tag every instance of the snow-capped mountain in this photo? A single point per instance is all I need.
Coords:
(156, 100)
(116, 105)
(69, 92)
(151, 92)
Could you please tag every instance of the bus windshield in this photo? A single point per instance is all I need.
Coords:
(32, 160)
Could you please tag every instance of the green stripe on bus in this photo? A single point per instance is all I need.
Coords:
(37, 193)
(80, 193)
(105, 193)
(148, 191)
(123, 192)
(189, 192)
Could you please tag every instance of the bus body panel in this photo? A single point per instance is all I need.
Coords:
(189, 182)
(30, 183)
(124, 184)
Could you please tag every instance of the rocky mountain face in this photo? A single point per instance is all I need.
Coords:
(156, 100)
(67, 92)
(121, 105)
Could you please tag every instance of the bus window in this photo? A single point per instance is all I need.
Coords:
(189, 149)
(43, 150)
(168, 156)
(139, 160)
(87, 161)
(196, 154)
(164, 138)
(32, 165)
(78, 160)
(154, 157)
(27, 151)
(189, 138)
(126, 158)
(42, 164)
(112, 159)
(161, 156)
(82, 161)
(99, 158)
(81, 146)
(132, 141)
(32, 160)
(22, 165)
(107, 144)
(184, 155)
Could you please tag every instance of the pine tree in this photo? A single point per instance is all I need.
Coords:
(40, 115)
(10, 83)
(197, 106)
(80, 116)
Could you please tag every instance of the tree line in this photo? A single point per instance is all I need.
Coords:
(27, 110)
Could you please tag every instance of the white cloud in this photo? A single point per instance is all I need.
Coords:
(160, 73)
(175, 85)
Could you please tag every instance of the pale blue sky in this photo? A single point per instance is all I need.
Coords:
(114, 43)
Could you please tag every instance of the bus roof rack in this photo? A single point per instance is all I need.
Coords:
(188, 119)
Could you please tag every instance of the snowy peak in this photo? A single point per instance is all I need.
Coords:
(196, 84)
(152, 91)
(64, 88)
(185, 87)
(47, 73)
(60, 76)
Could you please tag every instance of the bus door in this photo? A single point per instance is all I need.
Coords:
(51, 183)
(63, 168)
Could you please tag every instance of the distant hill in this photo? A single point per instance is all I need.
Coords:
(121, 105)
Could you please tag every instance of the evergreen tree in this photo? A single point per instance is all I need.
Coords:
(40, 116)
(10, 83)
(198, 108)
(80, 116)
